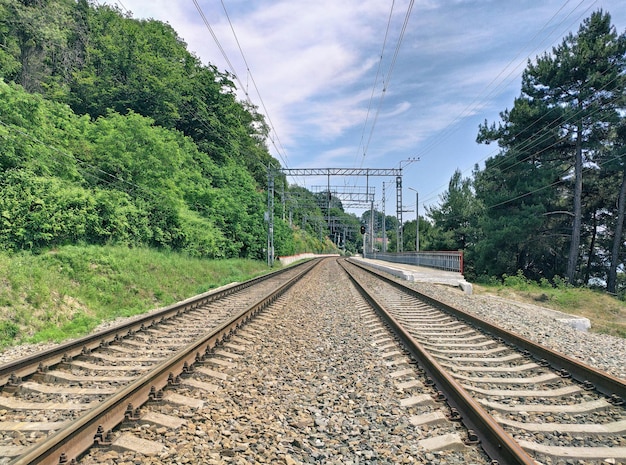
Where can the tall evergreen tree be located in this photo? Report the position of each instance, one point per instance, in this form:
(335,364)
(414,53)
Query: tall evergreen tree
(617,160)
(569,101)
(455,217)
(580,79)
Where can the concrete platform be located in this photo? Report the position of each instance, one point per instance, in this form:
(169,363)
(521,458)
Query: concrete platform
(419,273)
(430,275)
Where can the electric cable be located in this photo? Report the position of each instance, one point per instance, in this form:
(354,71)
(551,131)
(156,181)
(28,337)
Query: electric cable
(530,143)
(387,80)
(378,69)
(267,115)
(479,99)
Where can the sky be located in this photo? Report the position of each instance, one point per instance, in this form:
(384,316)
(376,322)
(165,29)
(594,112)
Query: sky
(377,84)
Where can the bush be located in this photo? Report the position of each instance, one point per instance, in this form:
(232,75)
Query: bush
(545,284)
(9,332)
(519,281)
(560,283)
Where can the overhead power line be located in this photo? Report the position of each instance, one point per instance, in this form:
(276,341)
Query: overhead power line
(274,140)
(222,51)
(477,102)
(267,113)
(387,79)
(494,85)
(378,68)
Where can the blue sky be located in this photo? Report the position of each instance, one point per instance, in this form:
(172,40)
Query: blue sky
(315,66)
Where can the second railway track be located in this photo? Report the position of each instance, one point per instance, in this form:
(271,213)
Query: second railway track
(317,378)
(55,403)
(526,389)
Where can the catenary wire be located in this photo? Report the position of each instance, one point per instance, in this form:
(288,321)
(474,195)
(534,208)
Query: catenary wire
(430,195)
(283,158)
(449,129)
(562,179)
(387,80)
(378,70)
(492,87)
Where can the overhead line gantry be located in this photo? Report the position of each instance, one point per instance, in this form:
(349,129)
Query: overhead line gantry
(341,171)
(328,172)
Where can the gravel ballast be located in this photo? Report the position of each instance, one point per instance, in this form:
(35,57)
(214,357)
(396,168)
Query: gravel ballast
(309,384)
(601,351)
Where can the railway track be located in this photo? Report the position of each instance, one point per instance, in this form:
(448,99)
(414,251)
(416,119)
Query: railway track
(324,374)
(57,403)
(315,378)
(526,403)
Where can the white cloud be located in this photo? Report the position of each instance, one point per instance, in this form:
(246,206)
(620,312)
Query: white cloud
(315,62)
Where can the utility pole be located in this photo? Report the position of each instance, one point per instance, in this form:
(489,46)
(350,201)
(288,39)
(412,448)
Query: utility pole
(269,216)
(407,162)
(384,225)
(399,213)
(417,219)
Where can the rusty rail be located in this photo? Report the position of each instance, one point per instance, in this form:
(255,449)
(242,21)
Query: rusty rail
(603,382)
(31,364)
(495,441)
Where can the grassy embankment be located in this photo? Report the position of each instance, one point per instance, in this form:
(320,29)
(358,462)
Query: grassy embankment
(67,292)
(606,313)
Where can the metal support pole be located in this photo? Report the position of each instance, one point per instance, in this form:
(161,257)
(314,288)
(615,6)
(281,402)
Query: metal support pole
(282,199)
(399,212)
(384,225)
(417,222)
(270,217)
(371,233)
(328,203)
(417,219)
(370,229)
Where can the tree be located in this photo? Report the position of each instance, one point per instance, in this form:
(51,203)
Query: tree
(556,130)
(163,154)
(455,217)
(45,38)
(617,161)
(522,221)
(9,47)
(580,80)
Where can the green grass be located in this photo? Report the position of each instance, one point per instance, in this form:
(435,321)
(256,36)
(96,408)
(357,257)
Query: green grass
(606,313)
(67,292)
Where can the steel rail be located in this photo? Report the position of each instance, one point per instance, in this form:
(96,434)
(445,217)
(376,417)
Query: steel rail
(31,364)
(94,426)
(496,442)
(611,386)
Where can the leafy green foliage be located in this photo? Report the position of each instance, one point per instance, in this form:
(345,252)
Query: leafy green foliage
(135,183)
(166,156)
(115,142)
(581,82)
(456,215)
